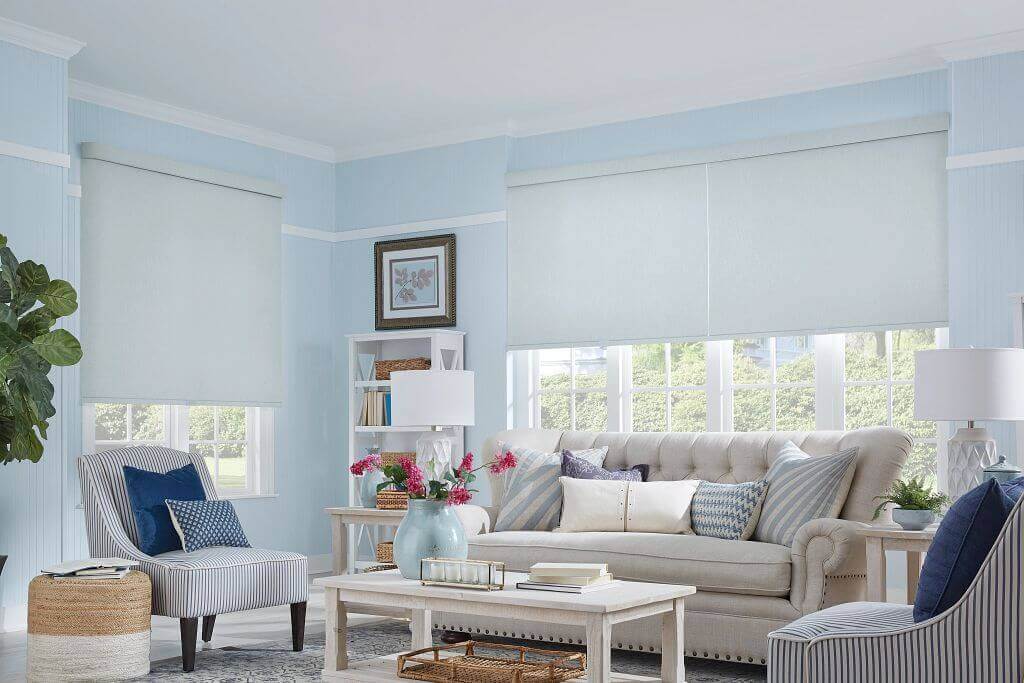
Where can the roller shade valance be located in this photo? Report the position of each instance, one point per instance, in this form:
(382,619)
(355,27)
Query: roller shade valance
(836,230)
(181,282)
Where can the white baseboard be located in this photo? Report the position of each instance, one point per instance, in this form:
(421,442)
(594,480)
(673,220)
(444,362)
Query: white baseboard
(320,564)
(13,618)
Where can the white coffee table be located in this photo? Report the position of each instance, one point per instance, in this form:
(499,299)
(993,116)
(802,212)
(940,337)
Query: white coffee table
(596,611)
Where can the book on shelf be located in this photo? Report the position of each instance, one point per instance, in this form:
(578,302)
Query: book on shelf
(376,410)
(565,588)
(569,569)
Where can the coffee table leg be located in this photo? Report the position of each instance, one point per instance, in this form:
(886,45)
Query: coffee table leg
(336,632)
(420,626)
(673,669)
(599,649)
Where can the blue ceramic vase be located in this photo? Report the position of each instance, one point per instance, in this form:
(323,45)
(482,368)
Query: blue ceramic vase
(429,529)
(368,487)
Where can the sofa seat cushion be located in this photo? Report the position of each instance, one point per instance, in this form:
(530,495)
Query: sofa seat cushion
(710,564)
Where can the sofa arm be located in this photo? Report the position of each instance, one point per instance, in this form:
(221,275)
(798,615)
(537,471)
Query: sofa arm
(828,564)
(475,519)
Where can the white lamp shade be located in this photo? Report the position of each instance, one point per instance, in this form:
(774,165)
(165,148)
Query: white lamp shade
(432,398)
(969,384)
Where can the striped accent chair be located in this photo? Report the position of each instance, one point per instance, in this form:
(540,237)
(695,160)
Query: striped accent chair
(187,586)
(977,639)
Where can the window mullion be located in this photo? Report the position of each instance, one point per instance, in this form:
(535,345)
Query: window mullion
(572,389)
(666,350)
(613,388)
(771,381)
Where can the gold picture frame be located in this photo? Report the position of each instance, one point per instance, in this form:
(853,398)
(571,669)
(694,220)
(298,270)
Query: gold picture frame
(409,292)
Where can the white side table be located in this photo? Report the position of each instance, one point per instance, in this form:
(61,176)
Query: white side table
(343,546)
(882,538)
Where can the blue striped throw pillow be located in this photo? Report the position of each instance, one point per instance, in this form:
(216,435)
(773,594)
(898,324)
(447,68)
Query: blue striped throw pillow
(802,487)
(727,511)
(533,496)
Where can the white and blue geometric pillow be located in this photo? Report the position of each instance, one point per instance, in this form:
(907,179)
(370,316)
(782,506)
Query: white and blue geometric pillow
(727,511)
(206,523)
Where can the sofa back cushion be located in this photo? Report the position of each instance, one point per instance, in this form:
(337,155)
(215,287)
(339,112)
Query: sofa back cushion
(730,457)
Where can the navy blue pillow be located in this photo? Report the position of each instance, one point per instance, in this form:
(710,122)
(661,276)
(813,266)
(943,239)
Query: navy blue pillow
(962,542)
(206,523)
(147,493)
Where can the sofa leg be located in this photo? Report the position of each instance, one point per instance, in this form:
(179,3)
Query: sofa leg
(453,637)
(189,630)
(298,625)
(208,627)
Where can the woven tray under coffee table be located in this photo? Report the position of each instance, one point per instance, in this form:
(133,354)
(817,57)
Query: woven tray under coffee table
(597,612)
(491,663)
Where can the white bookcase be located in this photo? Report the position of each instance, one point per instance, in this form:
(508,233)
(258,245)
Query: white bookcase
(444,348)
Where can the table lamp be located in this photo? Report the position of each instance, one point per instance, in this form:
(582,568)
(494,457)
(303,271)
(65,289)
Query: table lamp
(969,384)
(434,399)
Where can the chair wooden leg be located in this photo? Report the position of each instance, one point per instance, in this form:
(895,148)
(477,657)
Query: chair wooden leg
(298,625)
(189,630)
(208,627)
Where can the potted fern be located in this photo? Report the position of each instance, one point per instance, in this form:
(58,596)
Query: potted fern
(916,504)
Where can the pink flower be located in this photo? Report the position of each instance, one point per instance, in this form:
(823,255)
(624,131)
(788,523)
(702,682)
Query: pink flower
(459,496)
(414,483)
(467,462)
(503,463)
(367,464)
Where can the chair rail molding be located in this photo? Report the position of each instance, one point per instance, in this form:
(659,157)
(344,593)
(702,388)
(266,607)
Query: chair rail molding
(39,40)
(37,154)
(1008,155)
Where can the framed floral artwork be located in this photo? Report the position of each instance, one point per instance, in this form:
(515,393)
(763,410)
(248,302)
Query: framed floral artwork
(415,282)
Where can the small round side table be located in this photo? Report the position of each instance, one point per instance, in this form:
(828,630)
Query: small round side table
(88,629)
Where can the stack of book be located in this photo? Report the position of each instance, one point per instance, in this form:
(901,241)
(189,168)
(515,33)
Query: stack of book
(568,577)
(96,568)
(376,409)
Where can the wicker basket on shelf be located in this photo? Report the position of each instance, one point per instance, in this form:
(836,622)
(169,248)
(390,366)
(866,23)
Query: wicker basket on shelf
(386,552)
(391,458)
(389,499)
(491,663)
(383,368)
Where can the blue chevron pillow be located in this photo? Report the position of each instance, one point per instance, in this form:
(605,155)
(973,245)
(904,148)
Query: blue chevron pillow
(206,523)
(727,511)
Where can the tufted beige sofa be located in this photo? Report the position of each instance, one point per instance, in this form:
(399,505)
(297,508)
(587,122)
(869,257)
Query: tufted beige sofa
(745,589)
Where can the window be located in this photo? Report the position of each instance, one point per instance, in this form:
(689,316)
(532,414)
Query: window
(236,442)
(797,383)
(572,388)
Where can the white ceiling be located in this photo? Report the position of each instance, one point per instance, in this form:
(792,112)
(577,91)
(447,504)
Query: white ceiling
(373,76)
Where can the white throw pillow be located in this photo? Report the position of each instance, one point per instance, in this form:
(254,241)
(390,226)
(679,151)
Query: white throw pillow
(602,505)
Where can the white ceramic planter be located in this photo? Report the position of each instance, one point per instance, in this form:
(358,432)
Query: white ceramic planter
(912,520)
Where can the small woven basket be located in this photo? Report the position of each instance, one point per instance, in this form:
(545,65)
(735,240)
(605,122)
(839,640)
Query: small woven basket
(386,552)
(389,499)
(391,458)
(383,368)
(473,662)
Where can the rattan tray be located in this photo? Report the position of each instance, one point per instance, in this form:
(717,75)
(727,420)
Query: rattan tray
(474,662)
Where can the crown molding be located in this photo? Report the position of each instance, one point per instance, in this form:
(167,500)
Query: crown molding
(141,106)
(472,220)
(39,40)
(986,46)
(410,144)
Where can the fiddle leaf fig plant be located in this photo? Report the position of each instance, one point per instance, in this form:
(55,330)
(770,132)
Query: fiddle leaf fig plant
(30,305)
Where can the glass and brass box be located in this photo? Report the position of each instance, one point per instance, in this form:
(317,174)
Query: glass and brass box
(479,574)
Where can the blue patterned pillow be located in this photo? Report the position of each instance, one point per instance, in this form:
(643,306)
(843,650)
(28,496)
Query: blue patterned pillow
(578,468)
(727,511)
(803,487)
(532,500)
(206,523)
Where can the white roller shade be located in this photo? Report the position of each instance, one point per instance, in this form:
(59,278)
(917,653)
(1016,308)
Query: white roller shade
(181,282)
(845,237)
(608,259)
(816,232)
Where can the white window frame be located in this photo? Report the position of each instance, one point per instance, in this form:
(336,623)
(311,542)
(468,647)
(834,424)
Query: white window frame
(259,442)
(829,386)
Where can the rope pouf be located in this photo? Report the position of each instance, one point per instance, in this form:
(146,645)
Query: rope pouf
(88,629)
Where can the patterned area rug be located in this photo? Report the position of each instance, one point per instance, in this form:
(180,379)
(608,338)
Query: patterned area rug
(275,661)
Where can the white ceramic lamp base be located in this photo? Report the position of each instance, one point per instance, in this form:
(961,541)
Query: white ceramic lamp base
(971,450)
(434,455)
